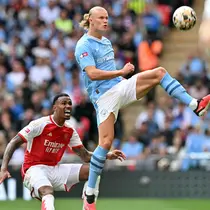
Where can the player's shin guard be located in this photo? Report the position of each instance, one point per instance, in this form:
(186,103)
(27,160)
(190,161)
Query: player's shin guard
(175,89)
(96,166)
(48,202)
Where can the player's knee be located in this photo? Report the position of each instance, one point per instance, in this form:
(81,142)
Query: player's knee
(160,72)
(106,143)
(106,140)
(45,190)
(84,172)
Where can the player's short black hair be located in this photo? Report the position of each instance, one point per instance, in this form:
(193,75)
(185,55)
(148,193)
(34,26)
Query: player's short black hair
(58,96)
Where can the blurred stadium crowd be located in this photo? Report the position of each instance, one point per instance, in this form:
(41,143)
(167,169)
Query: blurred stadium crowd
(37,41)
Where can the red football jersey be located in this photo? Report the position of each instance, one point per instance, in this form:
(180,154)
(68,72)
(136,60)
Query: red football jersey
(47,141)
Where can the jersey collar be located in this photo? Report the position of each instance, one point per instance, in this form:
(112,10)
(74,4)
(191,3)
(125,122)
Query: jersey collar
(52,120)
(94,38)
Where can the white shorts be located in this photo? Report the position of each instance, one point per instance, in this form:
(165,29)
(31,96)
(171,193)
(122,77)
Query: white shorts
(117,97)
(61,177)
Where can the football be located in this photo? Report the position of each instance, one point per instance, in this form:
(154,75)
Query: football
(184,18)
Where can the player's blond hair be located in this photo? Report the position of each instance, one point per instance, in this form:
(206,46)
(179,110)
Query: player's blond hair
(85,21)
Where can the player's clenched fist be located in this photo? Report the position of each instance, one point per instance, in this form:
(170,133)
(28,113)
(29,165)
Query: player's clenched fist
(128,68)
(4,174)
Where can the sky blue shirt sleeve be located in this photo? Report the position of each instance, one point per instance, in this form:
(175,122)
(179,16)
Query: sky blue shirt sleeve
(84,56)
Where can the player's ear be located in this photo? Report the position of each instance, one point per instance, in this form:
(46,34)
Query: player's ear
(90,19)
(54,108)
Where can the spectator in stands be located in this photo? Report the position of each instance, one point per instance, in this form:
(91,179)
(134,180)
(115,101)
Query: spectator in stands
(194,144)
(25,118)
(152,21)
(3,144)
(181,117)
(157,146)
(178,142)
(194,68)
(40,72)
(206,143)
(50,12)
(128,48)
(168,132)
(153,127)
(86,109)
(6,124)
(198,89)
(132,148)
(63,23)
(16,76)
(157,115)
(177,151)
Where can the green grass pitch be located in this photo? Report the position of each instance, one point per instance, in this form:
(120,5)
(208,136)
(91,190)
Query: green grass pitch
(114,204)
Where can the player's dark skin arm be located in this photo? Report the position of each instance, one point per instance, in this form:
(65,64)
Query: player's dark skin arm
(84,154)
(11,147)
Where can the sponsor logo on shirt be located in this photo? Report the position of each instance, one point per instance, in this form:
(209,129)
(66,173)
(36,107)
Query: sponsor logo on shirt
(105,58)
(52,147)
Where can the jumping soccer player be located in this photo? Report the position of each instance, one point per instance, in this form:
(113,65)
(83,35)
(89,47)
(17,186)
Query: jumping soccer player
(108,91)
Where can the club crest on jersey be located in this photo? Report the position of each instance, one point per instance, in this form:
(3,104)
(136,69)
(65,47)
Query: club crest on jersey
(84,55)
(104,112)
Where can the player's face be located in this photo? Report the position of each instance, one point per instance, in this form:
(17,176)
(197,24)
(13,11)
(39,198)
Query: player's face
(99,20)
(63,107)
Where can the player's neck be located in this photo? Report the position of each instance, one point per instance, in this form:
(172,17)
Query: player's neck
(94,34)
(57,121)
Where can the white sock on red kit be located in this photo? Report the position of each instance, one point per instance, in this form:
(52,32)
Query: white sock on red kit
(48,202)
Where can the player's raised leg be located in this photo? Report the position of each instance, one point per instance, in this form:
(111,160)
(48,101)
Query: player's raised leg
(106,136)
(148,79)
(46,193)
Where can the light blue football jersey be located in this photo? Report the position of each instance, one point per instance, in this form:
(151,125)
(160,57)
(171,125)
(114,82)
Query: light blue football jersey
(91,51)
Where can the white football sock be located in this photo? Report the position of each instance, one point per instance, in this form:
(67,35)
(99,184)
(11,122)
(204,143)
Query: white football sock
(193,104)
(96,190)
(89,190)
(48,202)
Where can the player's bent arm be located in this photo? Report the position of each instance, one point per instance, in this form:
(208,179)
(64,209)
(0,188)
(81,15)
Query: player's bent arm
(11,147)
(98,74)
(84,154)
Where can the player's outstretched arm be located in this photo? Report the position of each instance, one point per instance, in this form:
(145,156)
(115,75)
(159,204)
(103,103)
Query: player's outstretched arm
(98,74)
(11,147)
(85,155)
